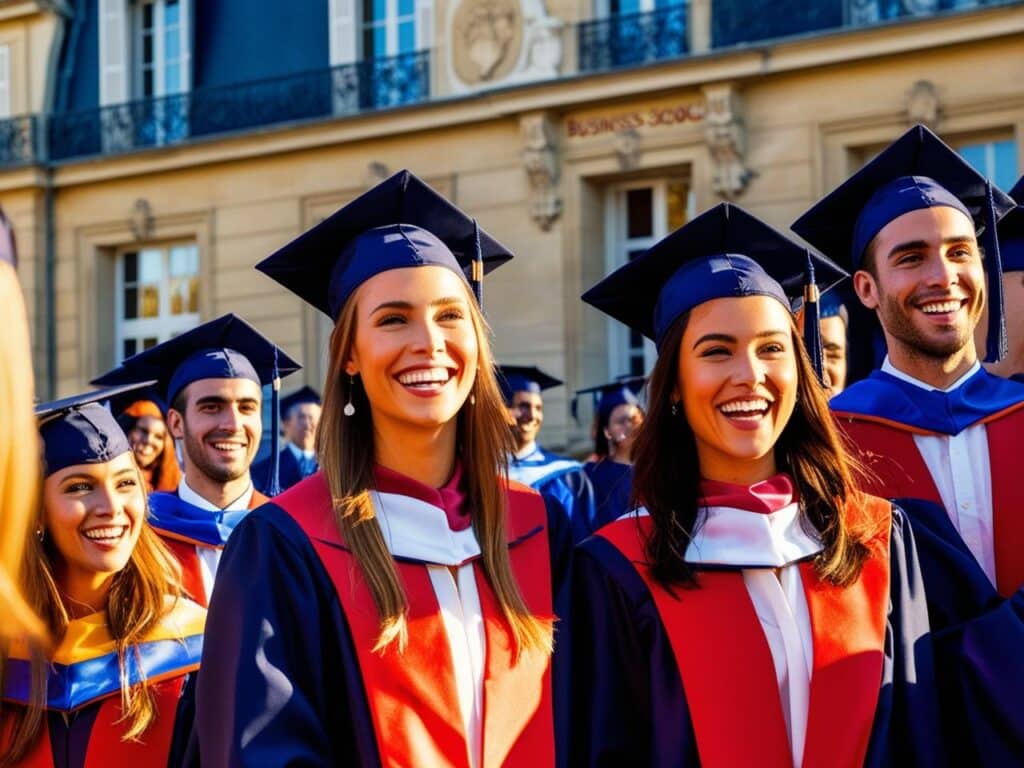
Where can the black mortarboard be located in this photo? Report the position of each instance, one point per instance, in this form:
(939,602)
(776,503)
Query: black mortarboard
(1011,232)
(523,378)
(78,430)
(916,171)
(724,252)
(399,223)
(298,397)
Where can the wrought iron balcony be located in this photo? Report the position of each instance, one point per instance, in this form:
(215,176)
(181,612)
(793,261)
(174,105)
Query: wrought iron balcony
(19,141)
(348,89)
(630,39)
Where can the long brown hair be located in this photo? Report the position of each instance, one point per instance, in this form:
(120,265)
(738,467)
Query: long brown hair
(165,474)
(345,447)
(142,593)
(666,473)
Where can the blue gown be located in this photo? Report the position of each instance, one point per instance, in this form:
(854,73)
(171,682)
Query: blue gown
(631,708)
(613,485)
(561,480)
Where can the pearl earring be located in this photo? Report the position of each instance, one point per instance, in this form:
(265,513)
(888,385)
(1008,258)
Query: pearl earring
(349,409)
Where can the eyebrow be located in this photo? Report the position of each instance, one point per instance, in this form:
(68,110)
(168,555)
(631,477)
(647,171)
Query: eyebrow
(218,400)
(912,245)
(732,339)
(444,301)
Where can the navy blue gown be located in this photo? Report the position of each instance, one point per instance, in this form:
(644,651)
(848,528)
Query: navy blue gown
(613,485)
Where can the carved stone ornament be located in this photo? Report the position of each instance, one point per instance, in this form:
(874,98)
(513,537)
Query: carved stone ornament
(142,220)
(726,137)
(540,161)
(487,36)
(923,104)
(627,147)
(375,174)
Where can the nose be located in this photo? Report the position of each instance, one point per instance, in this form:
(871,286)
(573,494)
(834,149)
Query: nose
(231,419)
(748,369)
(943,272)
(105,502)
(429,337)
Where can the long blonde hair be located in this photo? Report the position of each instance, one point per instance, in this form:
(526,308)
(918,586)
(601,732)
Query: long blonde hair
(19,458)
(345,445)
(142,593)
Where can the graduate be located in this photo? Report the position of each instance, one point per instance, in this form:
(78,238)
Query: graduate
(916,225)
(834,323)
(114,688)
(617,417)
(758,609)
(212,376)
(300,414)
(556,477)
(19,451)
(1011,252)
(144,422)
(395,608)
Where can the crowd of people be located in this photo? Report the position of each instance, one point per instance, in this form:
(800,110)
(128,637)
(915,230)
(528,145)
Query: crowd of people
(796,543)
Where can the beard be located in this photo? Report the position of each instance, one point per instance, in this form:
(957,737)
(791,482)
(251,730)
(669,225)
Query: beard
(216,472)
(897,322)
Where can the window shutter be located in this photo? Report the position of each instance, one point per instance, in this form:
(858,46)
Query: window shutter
(113,52)
(424,24)
(342,26)
(5,81)
(186,46)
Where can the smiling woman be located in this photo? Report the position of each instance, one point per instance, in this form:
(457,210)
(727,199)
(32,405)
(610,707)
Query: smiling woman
(394,608)
(125,641)
(756,584)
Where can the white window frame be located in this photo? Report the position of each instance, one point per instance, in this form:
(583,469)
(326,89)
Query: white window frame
(165,325)
(987,143)
(391,21)
(618,245)
(5,81)
(159,49)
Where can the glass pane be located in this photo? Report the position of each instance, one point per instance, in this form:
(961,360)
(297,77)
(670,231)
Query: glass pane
(193,295)
(975,155)
(677,198)
(639,210)
(369,52)
(131,303)
(1005,174)
(152,267)
(147,48)
(380,10)
(150,341)
(625,6)
(131,267)
(636,339)
(172,79)
(150,301)
(147,15)
(636,365)
(380,41)
(406,37)
(634,253)
(177,291)
(368,12)
(128,348)
(172,44)
(184,261)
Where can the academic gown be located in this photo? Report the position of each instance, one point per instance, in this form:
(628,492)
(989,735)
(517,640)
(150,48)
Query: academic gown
(689,679)
(81,729)
(289,471)
(186,528)
(292,677)
(561,479)
(978,627)
(613,485)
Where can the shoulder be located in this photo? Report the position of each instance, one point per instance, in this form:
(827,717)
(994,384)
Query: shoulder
(184,618)
(869,517)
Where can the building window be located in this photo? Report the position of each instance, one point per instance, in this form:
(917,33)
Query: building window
(5,81)
(161,48)
(389,27)
(157,296)
(997,160)
(639,215)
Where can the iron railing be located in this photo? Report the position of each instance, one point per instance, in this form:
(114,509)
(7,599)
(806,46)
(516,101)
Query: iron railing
(626,40)
(19,141)
(348,89)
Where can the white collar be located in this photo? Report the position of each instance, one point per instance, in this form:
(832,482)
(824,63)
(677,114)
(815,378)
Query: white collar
(526,451)
(417,530)
(737,537)
(187,494)
(299,453)
(892,370)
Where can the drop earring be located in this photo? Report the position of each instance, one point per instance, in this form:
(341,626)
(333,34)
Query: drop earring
(675,409)
(40,534)
(349,409)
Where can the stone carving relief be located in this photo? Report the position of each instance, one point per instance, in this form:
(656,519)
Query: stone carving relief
(503,41)
(923,104)
(627,147)
(142,219)
(726,137)
(540,161)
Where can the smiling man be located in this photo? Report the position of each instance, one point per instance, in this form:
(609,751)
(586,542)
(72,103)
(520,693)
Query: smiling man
(212,376)
(300,416)
(916,227)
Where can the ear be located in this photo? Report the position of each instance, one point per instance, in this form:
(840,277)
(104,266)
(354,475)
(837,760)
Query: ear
(607,433)
(176,424)
(866,288)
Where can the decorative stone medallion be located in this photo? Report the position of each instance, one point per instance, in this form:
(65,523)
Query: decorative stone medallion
(487,38)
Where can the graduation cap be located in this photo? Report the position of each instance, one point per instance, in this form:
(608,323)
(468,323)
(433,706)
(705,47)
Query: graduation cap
(608,397)
(299,397)
(524,378)
(399,223)
(225,348)
(78,430)
(724,252)
(120,403)
(1011,232)
(916,171)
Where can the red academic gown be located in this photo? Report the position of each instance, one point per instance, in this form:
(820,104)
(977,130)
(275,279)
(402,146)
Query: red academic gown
(290,647)
(83,727)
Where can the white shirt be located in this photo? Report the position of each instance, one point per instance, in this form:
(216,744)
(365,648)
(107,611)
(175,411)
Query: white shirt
(417,530)
(209,558)
(959,466)
(300,454)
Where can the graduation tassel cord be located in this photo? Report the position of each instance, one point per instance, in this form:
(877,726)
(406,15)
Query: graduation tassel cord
(477,278)
(996,344)
(812,326)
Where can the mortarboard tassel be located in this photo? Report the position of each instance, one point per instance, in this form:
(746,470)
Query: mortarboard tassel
(812,327)
(996,345)
(477,277)
(274,486)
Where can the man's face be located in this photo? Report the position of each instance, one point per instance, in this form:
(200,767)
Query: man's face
(526,414)
(221,426)
(300,426)
(833,341)
(929,283)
